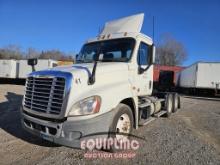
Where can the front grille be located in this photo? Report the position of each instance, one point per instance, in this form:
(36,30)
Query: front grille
(44,95)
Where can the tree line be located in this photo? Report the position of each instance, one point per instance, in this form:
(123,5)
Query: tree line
(15,52)
(169,51)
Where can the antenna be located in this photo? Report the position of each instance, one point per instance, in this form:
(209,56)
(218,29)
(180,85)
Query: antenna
(99,30)
(153,29)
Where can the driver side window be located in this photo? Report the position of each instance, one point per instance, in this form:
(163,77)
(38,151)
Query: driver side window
(143,53)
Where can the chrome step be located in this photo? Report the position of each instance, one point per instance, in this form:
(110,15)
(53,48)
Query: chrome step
(143,105)
(160,113)
(147,121)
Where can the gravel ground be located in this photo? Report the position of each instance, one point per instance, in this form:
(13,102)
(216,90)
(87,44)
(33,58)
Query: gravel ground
(190,136)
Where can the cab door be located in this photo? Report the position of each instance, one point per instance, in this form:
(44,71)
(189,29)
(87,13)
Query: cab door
(145,69)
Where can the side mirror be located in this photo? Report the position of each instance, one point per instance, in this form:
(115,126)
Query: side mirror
(32,62)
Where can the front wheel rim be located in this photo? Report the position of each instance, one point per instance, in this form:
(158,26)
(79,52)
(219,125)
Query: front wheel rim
(123,127)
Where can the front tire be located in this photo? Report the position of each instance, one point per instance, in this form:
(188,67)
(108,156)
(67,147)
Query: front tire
(122,124)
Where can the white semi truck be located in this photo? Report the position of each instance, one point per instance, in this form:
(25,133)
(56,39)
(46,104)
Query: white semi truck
(109,89)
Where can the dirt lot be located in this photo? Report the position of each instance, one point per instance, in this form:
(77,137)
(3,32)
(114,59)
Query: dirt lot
(190,136)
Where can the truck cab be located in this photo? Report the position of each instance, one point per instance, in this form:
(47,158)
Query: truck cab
(109,89)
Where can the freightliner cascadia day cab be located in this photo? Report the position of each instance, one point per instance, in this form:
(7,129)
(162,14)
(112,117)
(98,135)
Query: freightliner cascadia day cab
(109,89)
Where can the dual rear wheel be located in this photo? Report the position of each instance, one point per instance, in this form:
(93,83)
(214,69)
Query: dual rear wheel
(172,103)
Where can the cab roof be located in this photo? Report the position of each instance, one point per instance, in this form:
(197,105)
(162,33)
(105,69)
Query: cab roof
(120,35)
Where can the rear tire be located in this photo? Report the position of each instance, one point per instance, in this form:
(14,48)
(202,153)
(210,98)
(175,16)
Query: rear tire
(179,102)
(168,104)
(175,102)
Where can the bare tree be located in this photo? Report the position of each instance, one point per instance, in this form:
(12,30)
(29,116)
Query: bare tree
(14,52)
(56,55)
(170,51)
(51,54)
(10,52)
(32,53)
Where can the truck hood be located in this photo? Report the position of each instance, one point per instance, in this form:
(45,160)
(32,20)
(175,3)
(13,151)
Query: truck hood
(110,77)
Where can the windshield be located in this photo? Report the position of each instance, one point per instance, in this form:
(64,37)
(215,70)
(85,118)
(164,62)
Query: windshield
(117,50)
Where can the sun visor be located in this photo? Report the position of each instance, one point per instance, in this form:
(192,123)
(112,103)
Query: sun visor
(127,24)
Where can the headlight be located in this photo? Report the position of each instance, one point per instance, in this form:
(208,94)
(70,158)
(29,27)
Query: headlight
(86,106)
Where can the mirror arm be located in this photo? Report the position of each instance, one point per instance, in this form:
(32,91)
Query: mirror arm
(141,70)
(33,68)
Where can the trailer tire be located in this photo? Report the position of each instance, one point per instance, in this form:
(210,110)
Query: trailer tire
(179,102)
(168,104)
(175,102)
(123,116)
